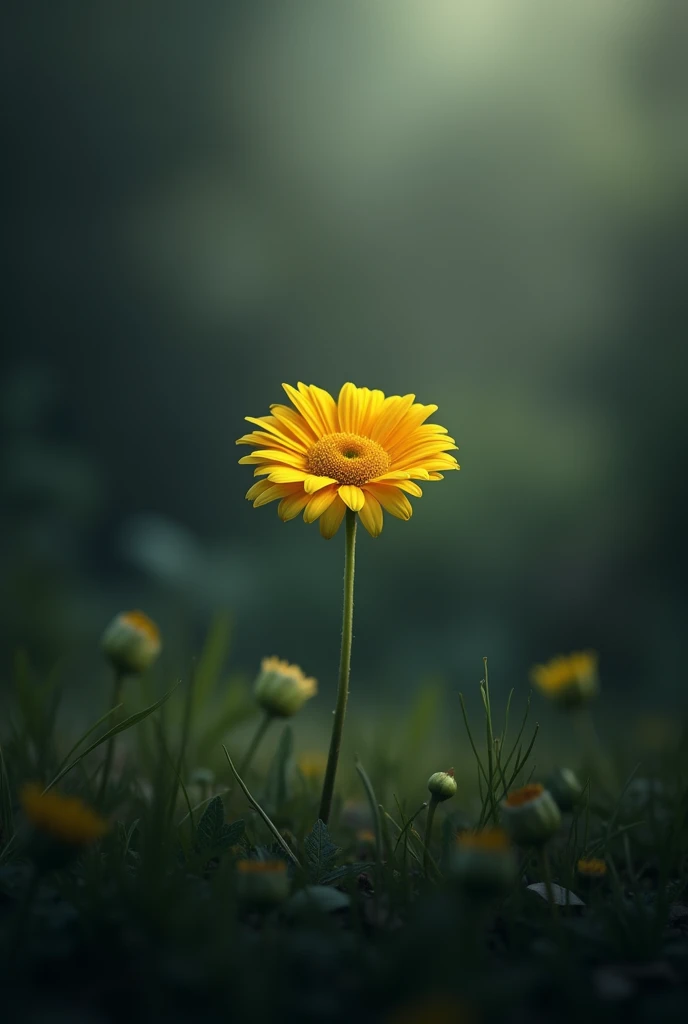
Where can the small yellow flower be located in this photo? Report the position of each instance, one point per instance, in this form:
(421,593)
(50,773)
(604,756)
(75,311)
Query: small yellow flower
(131,642)
(312,764)
(362,451)
(592,867)
(530,815)
(263,883)
(486,840)
(66,819)
(282,689)
(366,837)
(484,862)
(568,680)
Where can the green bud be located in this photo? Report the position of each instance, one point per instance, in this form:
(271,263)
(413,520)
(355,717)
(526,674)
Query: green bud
(530,815)
(565,787)
(131,643)
(442,785)
(282,689)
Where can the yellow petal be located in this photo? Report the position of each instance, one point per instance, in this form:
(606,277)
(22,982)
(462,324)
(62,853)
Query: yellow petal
(287,476)
(326,407)
(273,426)
(290,507)
(273,455)
(318,503)
(370,410)
(348,408)
(257,489)
(292,422)
(314,483)
(273,492)
(352,496)
(409,487)
(371,515)
(392,412)
(331,519)
(303,403)
(391,499)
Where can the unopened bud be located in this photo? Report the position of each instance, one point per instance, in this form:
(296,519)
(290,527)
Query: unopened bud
(530,815)
(131,642)
(442,785)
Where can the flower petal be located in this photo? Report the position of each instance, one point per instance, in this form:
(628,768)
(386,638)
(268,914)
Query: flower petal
(253,492)
(348,408)
(287,476)
(392,412)
(290,506)
(273,455)
(289,437)
(392,500)
(272,493)
(371,515)
(304,405)
(314,483)
(352,496)
(325,405)
(318,503)
(410,487)
(331,519)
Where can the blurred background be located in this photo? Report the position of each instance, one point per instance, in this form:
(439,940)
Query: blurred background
(483,202)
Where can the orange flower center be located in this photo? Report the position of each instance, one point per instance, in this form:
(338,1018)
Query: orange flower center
(348,458)
(524,795)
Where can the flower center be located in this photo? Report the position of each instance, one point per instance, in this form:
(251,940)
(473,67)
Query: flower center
(348,458)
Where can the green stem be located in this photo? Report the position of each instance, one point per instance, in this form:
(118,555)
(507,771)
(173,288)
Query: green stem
(255,743)
(110,749)
(428,833)
(344,668)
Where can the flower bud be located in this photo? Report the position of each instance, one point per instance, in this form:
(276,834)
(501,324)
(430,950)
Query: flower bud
(442,785)
(262,884)
(484,862)
(131,642)
(569,681)
(282,689)
(530,815)
(565,787)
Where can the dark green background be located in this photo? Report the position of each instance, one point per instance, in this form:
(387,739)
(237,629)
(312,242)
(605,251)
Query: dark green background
(484,204)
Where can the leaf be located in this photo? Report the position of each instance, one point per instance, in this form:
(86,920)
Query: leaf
(122,727)
(561,896)
(276,787)
(213,657)
(212,834)
(320,851)
(317,897)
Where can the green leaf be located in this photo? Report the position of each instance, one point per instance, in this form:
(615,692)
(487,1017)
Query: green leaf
(122,727)
(212,833)
(213,657)
(320,852)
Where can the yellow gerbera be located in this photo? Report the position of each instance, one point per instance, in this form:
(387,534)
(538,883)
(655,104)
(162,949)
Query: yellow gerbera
(570,680)
(362,452)
(64,818)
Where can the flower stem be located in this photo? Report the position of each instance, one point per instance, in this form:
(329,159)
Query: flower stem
(110,750)
(428,833)
(344,667)
(255,743)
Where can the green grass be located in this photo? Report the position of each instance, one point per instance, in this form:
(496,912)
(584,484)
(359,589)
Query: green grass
(154,920)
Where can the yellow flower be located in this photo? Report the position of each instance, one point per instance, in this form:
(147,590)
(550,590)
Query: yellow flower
(66,819)
(263,883)
(366,837)
(312,764)
(363,451)
(434,1009)
(282,689)
(131,642)
(569,680)
(486,840)
(592,867)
